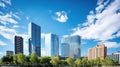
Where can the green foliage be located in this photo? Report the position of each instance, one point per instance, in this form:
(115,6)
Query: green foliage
(44,60)
(109,62)
(69,61)
(97,61)
(84,61)
(78,62)
(15,59)
(7,59)
(20,58)
(62,62)
(55,60)
(27,59)
(33,58)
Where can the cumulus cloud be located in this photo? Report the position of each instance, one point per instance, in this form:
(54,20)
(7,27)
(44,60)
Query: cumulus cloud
(102,23)
(2,43)
(61,16)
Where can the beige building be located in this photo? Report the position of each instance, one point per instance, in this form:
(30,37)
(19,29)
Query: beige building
(97,51)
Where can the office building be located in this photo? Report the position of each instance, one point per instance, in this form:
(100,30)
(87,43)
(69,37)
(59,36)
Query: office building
(115,56)
(97,51)
(34,32)
(18,44)
(70,47)
(65,50)
(9,53)
(51,45)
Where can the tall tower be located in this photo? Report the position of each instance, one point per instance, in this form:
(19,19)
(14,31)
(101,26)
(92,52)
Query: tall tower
(71,46)
(18,44)
(51,45)
(34,39)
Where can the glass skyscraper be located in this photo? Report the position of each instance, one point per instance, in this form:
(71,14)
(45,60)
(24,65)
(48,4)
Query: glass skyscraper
(51,45)
(34,39)
(70,46)
(18,44)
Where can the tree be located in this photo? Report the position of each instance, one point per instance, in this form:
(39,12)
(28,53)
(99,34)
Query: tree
(45,60)
(98,61)
(108,62)
(78,62)
(20,58)
(55,60)
(62,62)
(34,58)
(7,59)
(15,59)
(85,61)
(27,59)
(69,61)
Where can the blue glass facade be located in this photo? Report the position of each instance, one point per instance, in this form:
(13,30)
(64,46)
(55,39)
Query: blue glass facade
(18,44)
(70,47)
(51,45)
(34,39)
(65,50)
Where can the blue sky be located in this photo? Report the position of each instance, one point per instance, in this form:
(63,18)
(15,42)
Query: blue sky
(96,21)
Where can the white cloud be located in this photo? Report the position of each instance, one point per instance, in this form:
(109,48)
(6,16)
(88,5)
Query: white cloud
(104,27)
(27,18)
(2,43)
(4,2)
(8,18)
(111,44)
(7,33)
(15,26)
(7,1)
(101,25)
(61,16)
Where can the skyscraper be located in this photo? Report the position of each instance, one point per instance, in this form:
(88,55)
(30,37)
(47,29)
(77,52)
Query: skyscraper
(70,47)
(65,50)
(34,39)
(18,44)
(51,45)
(97,51)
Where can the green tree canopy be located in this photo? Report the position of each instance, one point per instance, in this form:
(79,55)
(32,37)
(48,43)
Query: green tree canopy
(69,61)
(78,61)
(55,60)
(20,58)
(34,58)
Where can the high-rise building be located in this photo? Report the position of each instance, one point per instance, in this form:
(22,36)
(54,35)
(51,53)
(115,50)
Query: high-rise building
(97,51)
(51,45)
(18,44)
(34,39)
(70,47)
(9,53)
(115,56)
(65,50)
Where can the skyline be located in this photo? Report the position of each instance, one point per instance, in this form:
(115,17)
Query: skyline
(96,22)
